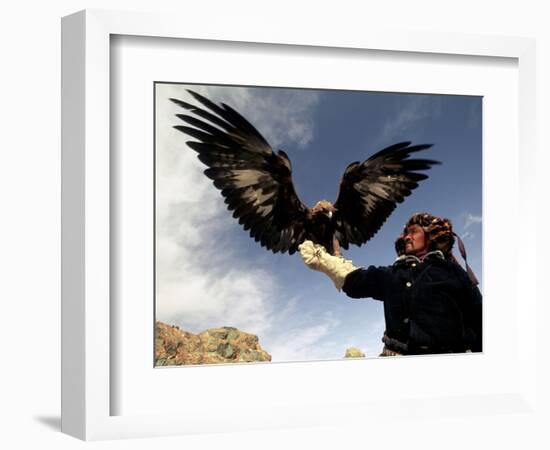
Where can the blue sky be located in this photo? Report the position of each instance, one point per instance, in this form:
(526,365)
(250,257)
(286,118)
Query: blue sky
(210,273)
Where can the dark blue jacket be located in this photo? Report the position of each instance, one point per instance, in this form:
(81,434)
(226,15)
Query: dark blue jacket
(430,306)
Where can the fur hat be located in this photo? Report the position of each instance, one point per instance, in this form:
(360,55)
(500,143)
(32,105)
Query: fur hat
(438,230)
(441,236)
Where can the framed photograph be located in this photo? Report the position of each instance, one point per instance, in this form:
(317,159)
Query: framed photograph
(183,152)
(230,286)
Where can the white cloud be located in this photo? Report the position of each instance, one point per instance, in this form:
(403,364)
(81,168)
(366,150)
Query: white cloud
(467,224)
(286,117)
(323,338)
(471,220)
(305,342)
(411,111)
(199,281)
(468,235)
(283,117)
(371,342)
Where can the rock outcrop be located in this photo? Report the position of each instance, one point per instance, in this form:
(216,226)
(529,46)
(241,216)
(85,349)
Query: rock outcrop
(175,347)
(353,352)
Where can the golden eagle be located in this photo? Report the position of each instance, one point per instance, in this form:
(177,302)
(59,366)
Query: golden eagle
(257,183)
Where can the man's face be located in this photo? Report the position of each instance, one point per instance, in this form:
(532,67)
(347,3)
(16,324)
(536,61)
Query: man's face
(415,240)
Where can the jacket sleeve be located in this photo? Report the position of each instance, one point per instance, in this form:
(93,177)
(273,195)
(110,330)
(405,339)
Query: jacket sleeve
(363,283)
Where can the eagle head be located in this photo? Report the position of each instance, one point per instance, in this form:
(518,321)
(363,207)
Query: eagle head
(323,207)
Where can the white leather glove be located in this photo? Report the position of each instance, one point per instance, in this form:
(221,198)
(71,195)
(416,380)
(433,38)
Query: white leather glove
(317,258)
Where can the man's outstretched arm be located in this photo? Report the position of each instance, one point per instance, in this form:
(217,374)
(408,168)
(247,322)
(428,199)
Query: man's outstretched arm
(355,282)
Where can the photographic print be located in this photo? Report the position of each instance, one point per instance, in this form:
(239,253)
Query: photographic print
(303,224)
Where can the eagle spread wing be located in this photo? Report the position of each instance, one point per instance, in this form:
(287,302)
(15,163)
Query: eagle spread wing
(255,181)
(369,191)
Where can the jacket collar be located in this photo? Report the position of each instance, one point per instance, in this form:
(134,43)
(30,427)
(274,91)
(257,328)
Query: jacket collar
(438,254)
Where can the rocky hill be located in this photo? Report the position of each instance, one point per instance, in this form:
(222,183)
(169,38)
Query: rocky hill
(175,347)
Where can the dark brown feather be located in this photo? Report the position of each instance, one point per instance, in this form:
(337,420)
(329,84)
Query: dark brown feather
(255,181)
(369,192)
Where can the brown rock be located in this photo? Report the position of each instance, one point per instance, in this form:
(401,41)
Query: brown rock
(353,352)
(216,345)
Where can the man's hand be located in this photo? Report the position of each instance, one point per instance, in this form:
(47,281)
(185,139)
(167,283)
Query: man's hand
(317,258)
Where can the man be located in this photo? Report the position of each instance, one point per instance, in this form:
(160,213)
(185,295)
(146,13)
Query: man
(431,305)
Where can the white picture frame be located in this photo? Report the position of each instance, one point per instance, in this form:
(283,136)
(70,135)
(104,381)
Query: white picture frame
(88,328)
